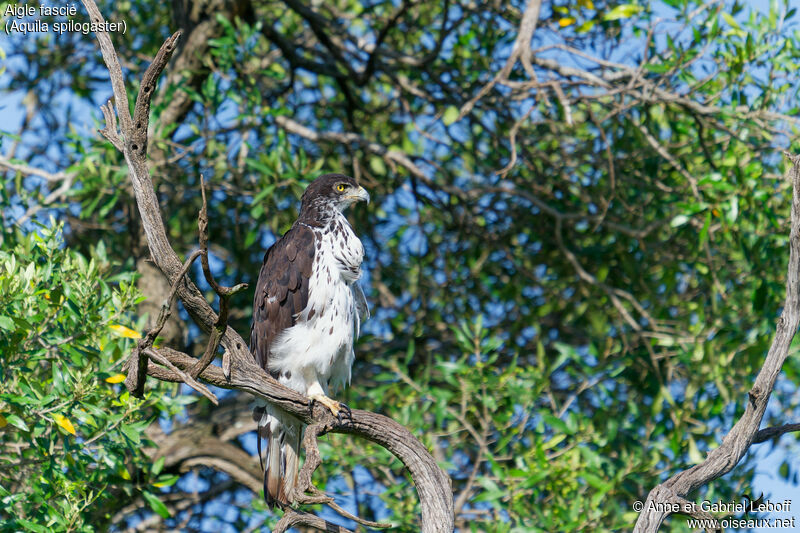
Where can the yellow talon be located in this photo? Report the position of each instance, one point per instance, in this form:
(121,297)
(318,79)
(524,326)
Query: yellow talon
(333,406)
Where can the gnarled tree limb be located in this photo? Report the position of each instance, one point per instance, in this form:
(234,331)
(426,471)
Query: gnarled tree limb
(744,433)
(433,484)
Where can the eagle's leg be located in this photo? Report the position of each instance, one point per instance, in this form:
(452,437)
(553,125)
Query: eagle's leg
(317,394)
(332,405)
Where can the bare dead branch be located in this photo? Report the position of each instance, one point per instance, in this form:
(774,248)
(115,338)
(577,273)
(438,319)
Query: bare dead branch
(312,462)
(114,69)
(110,131)
(186,378)
(735,444)
(357,519)
(166,306)
(136,135)
(59,194)
(304,485)
(26,170)
(294,518)
(432,483)
(766,434)
(137,361)
(224,293)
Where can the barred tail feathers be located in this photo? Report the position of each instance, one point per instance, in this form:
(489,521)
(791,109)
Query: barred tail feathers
(281,461)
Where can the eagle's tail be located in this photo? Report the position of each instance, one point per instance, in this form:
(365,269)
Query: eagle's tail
(281,463)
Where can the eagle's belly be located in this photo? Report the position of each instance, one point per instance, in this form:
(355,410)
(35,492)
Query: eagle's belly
(319,347)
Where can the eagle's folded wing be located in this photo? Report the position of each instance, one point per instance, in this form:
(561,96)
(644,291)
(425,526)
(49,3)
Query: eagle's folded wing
(282,289)
(362,309)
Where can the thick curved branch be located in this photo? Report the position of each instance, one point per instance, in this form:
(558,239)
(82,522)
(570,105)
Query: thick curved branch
(295,518)
(745,432)
(433,484)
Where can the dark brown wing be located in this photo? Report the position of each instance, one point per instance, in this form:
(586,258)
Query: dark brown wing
(282,289)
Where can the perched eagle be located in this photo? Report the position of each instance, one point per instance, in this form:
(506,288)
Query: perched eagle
(307,311)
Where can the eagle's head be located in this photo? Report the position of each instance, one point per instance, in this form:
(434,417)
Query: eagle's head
(331,192)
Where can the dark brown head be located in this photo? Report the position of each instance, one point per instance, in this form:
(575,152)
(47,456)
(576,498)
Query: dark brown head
(330,193)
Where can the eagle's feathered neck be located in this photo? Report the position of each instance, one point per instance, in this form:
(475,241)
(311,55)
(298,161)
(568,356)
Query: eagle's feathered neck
(319,213)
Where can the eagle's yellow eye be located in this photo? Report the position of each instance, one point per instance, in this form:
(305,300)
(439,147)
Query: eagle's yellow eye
(340,187)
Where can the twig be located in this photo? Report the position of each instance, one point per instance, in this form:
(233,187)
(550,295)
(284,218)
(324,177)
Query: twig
(110,131)
(562,99)
(512,141)
(66,180)
(32,171)
(312,462)
(137,361)
(364,522)
(54,195)
(589,278)
(224,294)
(166,306)
(186,378)
(652,141)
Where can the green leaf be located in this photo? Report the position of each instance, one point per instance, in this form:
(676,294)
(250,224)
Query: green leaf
(16,421)
(450,115)
(694,453)
(733,211)
(7,323)
(704,232)
(131,433)
(730,20)
(166,481)
(622,11)
(156,504)
(31,526)
(377,165)
(558,425)
(658,68)
(158,466)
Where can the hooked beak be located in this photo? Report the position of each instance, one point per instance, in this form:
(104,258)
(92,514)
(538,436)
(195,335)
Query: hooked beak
(360,195)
